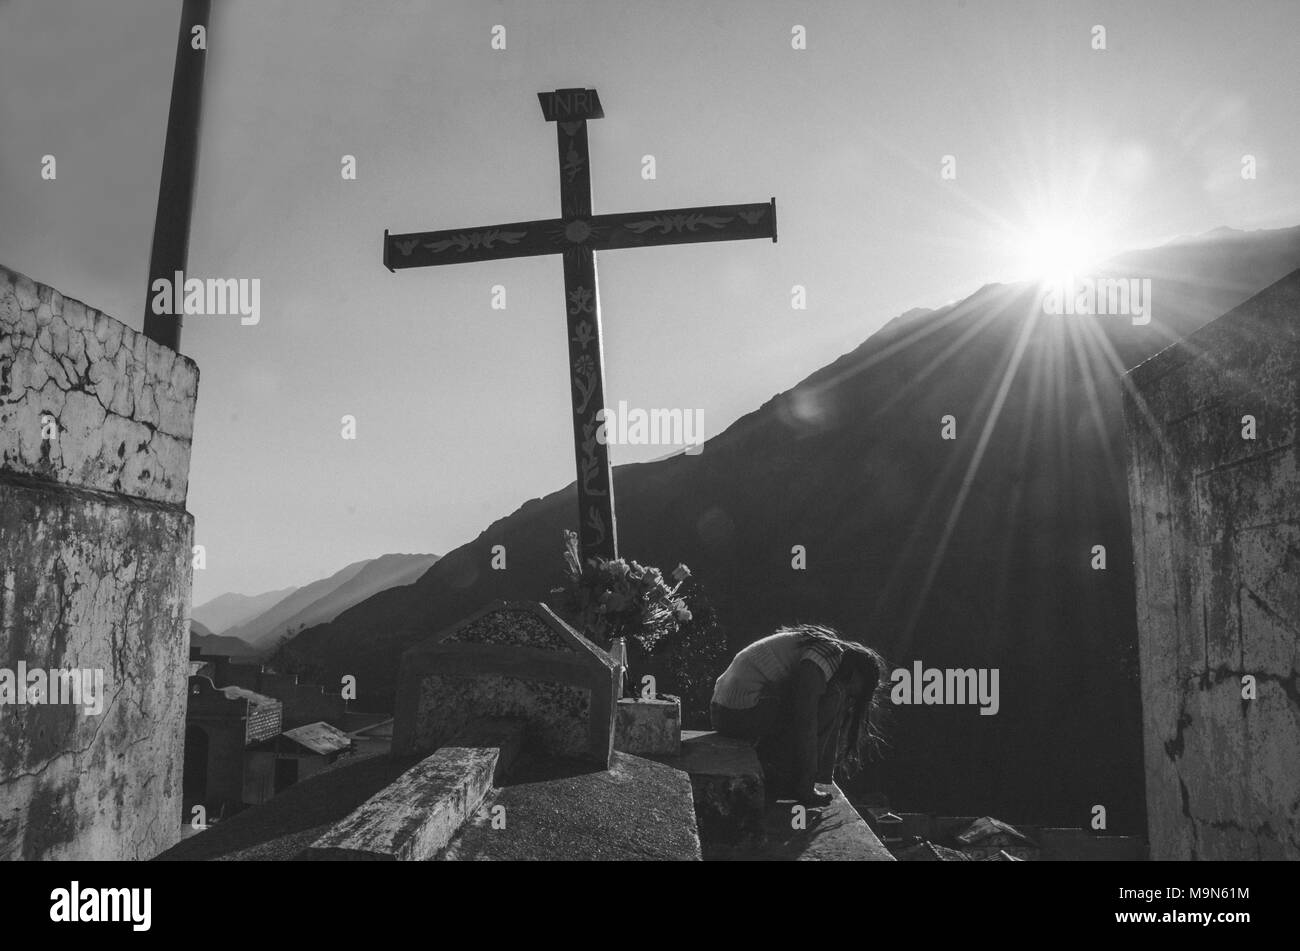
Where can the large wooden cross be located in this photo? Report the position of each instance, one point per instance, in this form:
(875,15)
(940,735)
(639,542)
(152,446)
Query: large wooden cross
(577,234)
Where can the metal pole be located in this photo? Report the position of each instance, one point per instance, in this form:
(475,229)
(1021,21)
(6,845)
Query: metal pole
(171,230)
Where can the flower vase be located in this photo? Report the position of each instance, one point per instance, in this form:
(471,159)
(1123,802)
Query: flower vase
(618,651)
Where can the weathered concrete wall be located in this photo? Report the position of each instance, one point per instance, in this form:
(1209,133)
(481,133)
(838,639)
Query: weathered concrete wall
(95,429)
(1216,529)
(124,404)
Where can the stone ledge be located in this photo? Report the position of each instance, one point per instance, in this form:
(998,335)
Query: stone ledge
(279,829)
(834,833)
(68,494)
(555,809)
(727,785)
(415,817)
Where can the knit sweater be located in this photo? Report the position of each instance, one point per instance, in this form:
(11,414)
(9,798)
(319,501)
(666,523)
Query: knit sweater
(763,668)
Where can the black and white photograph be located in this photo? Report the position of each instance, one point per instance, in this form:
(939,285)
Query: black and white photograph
(729,431)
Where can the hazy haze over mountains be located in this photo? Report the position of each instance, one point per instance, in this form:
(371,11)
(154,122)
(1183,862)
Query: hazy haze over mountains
(264,629)
(314,603)
(331,598)
(228,610)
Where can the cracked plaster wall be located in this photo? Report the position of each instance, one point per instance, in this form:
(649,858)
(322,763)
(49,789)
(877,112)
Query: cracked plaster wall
(1216,530)
(95,573)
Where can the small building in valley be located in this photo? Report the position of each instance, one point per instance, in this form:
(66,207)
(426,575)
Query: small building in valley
(222,725)
(296,754)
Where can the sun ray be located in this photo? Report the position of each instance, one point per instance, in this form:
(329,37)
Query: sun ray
(1080,346)
(1004,387)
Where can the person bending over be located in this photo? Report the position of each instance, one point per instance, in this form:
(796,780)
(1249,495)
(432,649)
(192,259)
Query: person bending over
(805,696)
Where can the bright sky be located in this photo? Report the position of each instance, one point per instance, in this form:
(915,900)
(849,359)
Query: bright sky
(462,410)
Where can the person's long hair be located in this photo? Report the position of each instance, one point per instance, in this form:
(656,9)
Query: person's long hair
(861,734)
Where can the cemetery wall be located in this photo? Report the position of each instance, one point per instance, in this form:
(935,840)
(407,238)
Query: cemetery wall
(1216,527)
(95,572)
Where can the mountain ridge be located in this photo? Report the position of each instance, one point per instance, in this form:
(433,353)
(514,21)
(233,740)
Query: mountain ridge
(321,600)
(377,574)
(231,609)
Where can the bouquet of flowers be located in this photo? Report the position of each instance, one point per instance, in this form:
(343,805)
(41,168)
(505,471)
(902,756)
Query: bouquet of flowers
(612,598)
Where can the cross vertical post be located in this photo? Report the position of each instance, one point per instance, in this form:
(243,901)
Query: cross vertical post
(597,531)
(171,230)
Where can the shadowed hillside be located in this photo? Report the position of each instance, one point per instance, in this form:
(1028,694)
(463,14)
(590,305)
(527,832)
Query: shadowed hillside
(967,553)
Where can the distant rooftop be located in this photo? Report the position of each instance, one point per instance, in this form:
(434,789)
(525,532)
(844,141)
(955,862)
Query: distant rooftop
(986,826)
(255,699)
(319,737)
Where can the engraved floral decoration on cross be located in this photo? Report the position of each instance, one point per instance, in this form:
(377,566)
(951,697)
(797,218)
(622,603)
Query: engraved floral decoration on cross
(580,300)
(573,163)
(611,597)
(584,378)
(476,239)
(590,464)
(596,523)
(678,222)
(582,334)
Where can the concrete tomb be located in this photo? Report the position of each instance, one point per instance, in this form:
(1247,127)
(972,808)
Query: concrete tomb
(512,659)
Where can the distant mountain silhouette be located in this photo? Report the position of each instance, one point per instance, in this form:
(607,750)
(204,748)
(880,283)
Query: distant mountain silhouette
(967,553)
(265,629)
(229,610)
(322,600)
(379,574)
(209,643)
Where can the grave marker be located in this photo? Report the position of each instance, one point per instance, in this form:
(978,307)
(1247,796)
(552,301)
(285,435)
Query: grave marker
(577,235)
(513,659)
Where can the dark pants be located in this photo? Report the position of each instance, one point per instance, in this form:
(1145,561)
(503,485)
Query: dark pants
(770,725)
